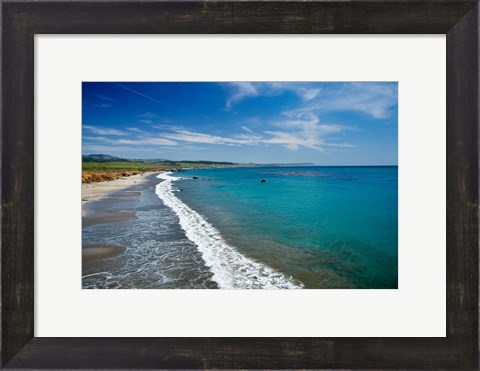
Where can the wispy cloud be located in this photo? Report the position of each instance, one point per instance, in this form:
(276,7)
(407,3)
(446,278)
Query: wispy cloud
(103,97)
(139,93)
(102,105)
(241,90)
(164,103)
(292,133)
(244,90)
(103,131)
(149,115)
(376,100)
(304,91)
(305,130)
(196,137)
(137,130)
(150,140)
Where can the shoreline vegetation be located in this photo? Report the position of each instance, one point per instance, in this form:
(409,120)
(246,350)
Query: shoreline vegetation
(101,168)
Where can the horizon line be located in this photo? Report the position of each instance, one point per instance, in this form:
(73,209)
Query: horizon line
(303,164)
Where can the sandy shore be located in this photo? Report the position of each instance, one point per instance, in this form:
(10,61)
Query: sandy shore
(112,209)
(94,191)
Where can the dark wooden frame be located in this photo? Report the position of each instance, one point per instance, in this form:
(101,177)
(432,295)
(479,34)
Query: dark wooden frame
(21,20)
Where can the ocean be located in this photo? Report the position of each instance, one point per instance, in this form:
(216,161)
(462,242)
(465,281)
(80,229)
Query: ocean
(305,227)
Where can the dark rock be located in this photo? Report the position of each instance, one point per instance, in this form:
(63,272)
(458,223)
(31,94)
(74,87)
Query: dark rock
(195,177)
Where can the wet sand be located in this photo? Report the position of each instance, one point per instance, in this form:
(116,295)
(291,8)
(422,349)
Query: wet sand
(90,252)
(111,202)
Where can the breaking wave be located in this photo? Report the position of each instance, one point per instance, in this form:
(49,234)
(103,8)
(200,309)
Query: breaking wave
(231,270)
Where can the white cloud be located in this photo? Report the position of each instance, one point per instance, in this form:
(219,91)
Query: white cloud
(294,132)
(308,94)
(105,98)
(247,129)
(373,99)
(137,130)
(303,90)
(102,105)
(241,90)
(149,115)
(195,137)
(101,139)
(103,131)
(291,141)
(144,141)
(137,141)
(304,130)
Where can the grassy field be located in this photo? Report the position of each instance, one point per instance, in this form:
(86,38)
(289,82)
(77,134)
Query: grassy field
(125,165)
(145,165)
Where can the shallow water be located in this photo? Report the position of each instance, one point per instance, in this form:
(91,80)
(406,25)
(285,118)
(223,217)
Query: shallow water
(328,227)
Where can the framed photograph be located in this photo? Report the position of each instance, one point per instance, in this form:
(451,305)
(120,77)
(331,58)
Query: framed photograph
(245,162)
(240,185)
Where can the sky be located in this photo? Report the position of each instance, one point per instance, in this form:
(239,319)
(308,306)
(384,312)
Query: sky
(323,123)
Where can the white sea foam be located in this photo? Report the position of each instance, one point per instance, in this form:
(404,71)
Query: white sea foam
(229,267)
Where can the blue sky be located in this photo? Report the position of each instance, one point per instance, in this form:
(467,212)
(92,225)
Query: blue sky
(341,123)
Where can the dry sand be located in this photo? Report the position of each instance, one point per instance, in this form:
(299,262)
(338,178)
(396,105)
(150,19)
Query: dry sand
(94,191)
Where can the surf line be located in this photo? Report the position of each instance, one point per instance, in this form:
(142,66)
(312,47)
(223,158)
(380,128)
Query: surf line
(231,269)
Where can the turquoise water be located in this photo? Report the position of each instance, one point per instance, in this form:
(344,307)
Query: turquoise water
(324,227)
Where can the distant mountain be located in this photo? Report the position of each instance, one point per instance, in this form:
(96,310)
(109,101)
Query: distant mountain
(101,158)
(107,158)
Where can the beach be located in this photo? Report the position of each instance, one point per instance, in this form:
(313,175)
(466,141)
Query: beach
(130,239)
(112,192)
(94,191)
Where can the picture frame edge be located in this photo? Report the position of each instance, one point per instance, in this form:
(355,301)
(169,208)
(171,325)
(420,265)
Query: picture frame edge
(19,347)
